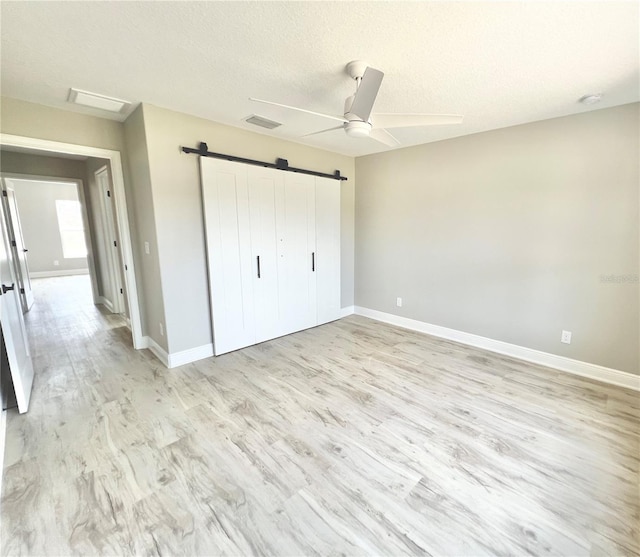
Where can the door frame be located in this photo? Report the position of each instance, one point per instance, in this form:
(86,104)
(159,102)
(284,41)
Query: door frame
(88,237)
(109,236)
(122,214)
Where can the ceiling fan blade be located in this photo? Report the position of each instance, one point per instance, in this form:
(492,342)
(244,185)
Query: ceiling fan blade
(411,120)
(383,136)
(323,131)
(366,94)
(338,118)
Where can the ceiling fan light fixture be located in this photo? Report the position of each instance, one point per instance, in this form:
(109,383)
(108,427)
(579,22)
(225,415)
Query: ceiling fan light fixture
(358,129)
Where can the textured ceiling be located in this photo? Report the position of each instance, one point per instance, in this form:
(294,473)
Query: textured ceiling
(498,63)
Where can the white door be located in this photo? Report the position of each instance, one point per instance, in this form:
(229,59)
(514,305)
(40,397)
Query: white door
(327,259)
(113,290)
(18,248)
(296,230)
(12,323)
(265,185)
(230,262)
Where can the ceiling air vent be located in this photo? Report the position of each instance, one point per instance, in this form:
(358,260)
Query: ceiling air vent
(94,100)
(262,122)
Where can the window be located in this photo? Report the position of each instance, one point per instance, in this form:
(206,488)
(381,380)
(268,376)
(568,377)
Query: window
(71,228)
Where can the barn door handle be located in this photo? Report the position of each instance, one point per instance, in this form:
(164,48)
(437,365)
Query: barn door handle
(6,288)
(258,260)
(313,261)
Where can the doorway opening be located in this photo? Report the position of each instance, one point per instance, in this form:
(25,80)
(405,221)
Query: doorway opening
(108,239)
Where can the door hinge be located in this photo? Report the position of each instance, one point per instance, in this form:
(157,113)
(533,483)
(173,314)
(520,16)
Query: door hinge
(13,243)
(22,291)
(108,193)
(126,268)
(121,292)
(115,244)
(4,193)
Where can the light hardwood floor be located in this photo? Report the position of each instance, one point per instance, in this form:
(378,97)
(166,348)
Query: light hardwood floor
(354,438)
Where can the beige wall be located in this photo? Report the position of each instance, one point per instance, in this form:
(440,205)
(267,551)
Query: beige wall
(178,210)
(511,234)
(35,120)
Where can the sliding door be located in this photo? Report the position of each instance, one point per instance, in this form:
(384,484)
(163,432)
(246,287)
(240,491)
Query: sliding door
(265,190)
(230,260)
(273,251)
(296,229)
(327,258)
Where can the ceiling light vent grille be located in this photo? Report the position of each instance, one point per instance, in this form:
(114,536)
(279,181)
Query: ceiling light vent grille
(262,122)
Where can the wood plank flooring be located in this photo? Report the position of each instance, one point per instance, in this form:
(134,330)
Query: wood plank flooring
(354,438)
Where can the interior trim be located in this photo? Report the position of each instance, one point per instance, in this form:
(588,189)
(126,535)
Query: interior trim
(156,349)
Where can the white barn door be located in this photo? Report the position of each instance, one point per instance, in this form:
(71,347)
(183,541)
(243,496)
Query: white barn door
(265,186)
(229,258)
(297,230)
(327,264)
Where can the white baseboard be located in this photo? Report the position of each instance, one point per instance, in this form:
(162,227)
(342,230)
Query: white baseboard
(192,355)
(127,322)
(576,367)
(175,359)
(62,273)
(349,310)
(157,350)
(106,303)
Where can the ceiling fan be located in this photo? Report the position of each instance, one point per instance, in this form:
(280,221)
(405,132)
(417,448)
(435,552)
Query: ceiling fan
(358,121)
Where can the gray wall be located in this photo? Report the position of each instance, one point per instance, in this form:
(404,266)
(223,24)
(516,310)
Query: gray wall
(54,167)
(175,183)
(147,265)
(39,221)
(41,165)
(514,234)
(57,167)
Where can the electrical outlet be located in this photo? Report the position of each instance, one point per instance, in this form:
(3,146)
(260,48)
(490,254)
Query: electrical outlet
(146,248)
(161,329)
(56,263)
(566,337)
(399,302)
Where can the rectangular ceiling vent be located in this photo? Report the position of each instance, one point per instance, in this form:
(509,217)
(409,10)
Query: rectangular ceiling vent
(93,100)
(262,122)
